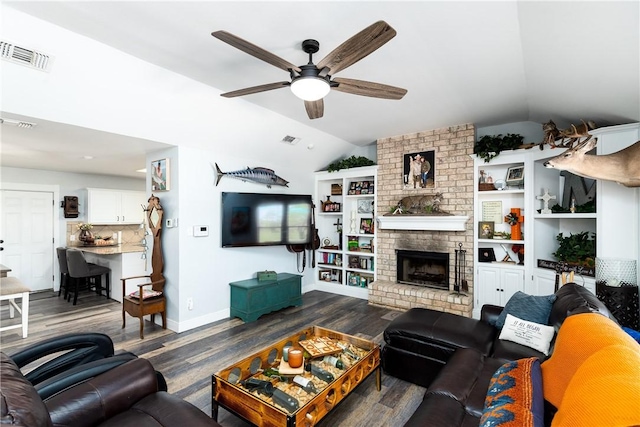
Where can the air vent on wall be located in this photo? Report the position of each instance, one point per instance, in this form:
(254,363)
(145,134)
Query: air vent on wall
(25,56)
(17,123)
(291,140)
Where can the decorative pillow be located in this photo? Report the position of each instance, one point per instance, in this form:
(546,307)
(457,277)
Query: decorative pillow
(514,397)
(534,308)
(146,293)
(531,334)
(605,390)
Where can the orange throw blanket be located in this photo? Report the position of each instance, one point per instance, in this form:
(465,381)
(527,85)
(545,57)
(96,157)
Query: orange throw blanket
(593,375)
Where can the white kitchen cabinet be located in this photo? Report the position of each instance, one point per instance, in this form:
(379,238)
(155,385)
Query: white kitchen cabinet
(497,284)
(545,281)
(105,206)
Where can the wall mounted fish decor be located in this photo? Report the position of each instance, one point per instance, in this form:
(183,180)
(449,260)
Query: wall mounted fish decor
(258,175)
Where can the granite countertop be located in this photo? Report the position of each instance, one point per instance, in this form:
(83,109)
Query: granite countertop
(110,250)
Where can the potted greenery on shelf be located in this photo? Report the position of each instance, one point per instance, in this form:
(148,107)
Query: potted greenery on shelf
(350,162)
(489,146)
(579,249)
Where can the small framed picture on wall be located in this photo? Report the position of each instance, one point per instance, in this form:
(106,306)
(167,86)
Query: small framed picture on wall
(160,176)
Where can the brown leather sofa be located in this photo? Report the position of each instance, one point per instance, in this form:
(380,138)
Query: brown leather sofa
(455,356)
(127,395)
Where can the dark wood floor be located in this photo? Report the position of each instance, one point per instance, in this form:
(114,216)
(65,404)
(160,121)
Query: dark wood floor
(188,359)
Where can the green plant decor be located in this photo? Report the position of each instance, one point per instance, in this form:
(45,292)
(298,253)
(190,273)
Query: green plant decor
(577,248)
(489,147)
(350,162)
(589,207)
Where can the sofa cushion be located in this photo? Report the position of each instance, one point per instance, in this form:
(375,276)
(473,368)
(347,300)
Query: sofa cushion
(437,334)
(534,308)
(161,409)
(509,350)
(530,334)
(605,390)
(514,397)
(19,401)
(456,397)
(580,336)
(465,378)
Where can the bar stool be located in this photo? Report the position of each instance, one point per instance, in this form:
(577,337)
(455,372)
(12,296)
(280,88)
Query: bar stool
(11,289)
(64,271)
(82,271)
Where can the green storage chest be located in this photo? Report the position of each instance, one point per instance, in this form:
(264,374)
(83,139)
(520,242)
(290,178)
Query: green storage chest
(252,298)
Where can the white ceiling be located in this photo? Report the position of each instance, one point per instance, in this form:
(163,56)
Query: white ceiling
(479,62)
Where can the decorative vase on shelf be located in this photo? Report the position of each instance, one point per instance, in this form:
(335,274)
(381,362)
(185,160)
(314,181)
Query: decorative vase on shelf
(86,237)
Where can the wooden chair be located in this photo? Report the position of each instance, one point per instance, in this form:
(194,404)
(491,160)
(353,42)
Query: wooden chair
(149,299)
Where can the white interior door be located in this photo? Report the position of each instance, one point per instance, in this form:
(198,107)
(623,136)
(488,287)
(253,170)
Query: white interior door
(27,237)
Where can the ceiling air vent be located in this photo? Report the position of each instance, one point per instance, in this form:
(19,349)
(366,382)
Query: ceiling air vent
(291,140)
(17,123)
(24,56)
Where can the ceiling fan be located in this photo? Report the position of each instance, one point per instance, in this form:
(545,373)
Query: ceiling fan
(313,82)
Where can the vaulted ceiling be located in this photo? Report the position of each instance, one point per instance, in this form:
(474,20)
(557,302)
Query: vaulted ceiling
(479,62)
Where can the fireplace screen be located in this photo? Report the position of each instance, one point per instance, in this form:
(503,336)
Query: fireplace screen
(429,269)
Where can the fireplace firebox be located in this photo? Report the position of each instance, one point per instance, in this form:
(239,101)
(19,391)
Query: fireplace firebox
(419,268)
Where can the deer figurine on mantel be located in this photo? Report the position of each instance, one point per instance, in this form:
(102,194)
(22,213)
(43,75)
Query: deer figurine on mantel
(622,166)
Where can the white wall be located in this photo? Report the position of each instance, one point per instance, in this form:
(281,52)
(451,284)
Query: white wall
(98,87)
(95,86)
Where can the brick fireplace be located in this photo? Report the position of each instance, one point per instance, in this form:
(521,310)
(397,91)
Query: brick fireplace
(453,148)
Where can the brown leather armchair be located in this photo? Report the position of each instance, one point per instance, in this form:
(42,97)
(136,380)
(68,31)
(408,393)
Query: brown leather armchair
(127,395)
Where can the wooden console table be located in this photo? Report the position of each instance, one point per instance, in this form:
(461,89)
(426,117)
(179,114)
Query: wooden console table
(251,299)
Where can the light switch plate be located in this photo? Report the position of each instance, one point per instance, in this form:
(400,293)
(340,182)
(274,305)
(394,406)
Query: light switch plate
(200,230)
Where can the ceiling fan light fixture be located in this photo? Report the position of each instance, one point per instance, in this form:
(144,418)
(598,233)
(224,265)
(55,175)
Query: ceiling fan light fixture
(310,88)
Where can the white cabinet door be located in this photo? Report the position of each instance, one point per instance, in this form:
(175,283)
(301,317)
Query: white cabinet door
(544,282)
(511,281)
(497,284)
(103,206)
(488,283)
(132,203)
(115,206)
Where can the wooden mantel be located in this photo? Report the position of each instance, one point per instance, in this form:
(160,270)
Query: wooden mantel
(422,222)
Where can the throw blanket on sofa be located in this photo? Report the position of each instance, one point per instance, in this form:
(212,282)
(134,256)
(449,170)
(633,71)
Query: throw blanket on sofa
(593,375)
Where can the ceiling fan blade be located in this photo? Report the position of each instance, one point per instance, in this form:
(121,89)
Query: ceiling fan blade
(375,90)
(255,89)
(357,47)
(315,109)
(255,51)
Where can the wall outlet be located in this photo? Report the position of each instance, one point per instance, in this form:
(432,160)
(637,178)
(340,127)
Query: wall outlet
(190,303)
(72,238)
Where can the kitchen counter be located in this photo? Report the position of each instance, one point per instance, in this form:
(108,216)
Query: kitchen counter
(110,250)
(124,261)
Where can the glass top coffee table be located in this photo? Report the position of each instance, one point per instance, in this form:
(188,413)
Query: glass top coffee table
(261,388)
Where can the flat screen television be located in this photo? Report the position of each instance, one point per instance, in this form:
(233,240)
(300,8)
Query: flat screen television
(263,219)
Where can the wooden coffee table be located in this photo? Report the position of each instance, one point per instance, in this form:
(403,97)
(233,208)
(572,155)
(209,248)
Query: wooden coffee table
(261,410)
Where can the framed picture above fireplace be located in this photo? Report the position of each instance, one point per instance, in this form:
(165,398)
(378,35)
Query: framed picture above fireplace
(419,170)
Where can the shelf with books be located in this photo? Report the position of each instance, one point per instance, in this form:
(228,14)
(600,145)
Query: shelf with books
(360,280)
(349,232)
